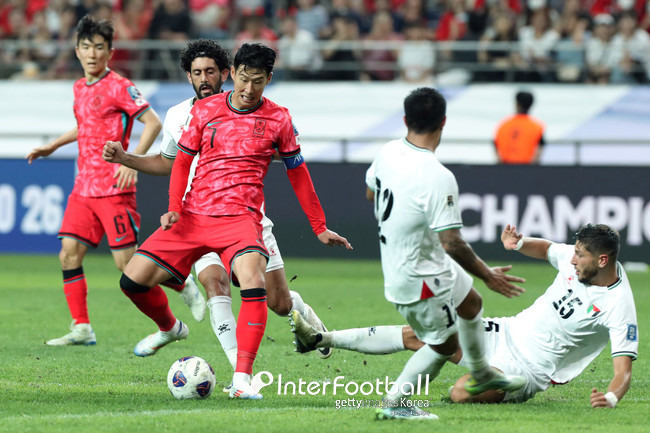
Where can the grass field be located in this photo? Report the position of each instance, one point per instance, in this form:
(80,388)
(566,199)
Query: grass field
(105,388)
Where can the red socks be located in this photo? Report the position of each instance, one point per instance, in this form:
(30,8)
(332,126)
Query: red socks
(251,325)
(75,289)
(154,304)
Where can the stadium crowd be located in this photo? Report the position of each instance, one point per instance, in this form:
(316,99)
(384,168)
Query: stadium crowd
(593,41)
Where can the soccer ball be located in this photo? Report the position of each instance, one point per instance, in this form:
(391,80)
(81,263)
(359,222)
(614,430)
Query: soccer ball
(190,377)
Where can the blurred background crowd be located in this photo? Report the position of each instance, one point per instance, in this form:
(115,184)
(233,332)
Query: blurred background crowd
(585,41)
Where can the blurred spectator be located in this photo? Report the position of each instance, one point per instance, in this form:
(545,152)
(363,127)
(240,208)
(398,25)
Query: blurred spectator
(498,62)
(254,29)
(299,58)
(85,7)
(349,8)
(616,7)
(171,22)
(415,11)
(211,18)
(312,17)
(132,21)
(379,60)
(536,44)
(631,51)
(573,27)
(416,57)
(453,22)
(388,7)
(341,60)
(519,138)
(598,53)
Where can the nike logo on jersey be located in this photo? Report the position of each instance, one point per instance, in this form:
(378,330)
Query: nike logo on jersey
(120,238)
(255,324)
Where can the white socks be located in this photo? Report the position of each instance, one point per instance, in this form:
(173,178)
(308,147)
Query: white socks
(224,326)
(472,341)
(297,303)
(424,361)
(376,340)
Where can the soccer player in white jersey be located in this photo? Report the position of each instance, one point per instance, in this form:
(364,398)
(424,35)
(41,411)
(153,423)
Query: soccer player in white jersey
(416,206)
(206,65)
(589,303)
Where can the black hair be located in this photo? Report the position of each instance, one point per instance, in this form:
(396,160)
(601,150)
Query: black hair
(255,56)
(599,239)
(524,101)
(87,27)
(425,110)
(204,48)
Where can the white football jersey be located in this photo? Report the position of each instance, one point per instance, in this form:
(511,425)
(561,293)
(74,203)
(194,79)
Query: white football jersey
(175,123)
(570,324)
(415,198)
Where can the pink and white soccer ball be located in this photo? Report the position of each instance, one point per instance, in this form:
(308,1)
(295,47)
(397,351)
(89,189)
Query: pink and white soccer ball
(191,377)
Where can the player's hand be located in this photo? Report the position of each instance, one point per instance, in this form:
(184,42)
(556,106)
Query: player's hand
(113,152)
(39,152)
(501,282)
(328,237)
(126,177)
(510,237)
(598,399)
(169,219)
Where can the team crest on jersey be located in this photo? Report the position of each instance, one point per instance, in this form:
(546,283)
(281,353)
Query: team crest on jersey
(631,333)
(135,94)
(96,103)
(450,200)
(259,128)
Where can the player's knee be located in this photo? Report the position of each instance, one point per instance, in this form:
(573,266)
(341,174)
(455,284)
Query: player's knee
(69,259)
(279,305)
(458,393)
(215,284)
(411,342)
(128,285)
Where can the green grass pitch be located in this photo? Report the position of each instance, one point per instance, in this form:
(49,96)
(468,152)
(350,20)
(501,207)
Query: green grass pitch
(105,388)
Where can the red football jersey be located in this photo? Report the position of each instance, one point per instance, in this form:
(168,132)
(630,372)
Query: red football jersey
(105,111)
(235,149)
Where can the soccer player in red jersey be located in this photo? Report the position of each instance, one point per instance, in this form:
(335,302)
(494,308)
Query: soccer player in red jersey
(235,135)
(103,197)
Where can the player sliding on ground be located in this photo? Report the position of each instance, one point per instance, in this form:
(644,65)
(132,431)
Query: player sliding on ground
(589,303)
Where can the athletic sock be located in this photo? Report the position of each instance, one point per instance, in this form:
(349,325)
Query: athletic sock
(154,304)
(172,284)
(424,361)
(297,303)
(472,341)
(75,289)
(251,324)
(224,326)
(376,340)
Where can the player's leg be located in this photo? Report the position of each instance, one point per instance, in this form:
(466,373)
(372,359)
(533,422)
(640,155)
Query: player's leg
(249,268)
(472,341)
(80,230)
(215,280)
(460,395)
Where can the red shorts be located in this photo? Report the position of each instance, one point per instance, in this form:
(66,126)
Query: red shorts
(176,249)
(86,219)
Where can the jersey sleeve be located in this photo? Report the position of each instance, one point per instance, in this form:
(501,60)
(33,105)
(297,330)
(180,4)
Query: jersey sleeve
(168,147)
(288,143)
(441,204)
(190,141)
(131,101)
(371,177)
(623,328)
(557,254)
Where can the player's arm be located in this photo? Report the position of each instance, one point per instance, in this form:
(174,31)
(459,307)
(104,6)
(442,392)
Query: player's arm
(49,148)
(370,194)
(619,385)
(495,278)
(532,247)
(127,176)
(177,187)
(158,165)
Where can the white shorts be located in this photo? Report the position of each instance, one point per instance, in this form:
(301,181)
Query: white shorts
(275,258)
(499,355)
(434,319)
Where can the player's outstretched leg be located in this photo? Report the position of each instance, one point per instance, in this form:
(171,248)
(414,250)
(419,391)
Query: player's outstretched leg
(307,337)
(80,334)
(496,381)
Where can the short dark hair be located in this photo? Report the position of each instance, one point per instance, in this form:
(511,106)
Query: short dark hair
(204,48)
(87,27)
(425,110)
(525,101)
(599,239)
(255,56)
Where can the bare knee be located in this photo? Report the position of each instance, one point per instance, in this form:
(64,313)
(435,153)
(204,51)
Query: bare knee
(458,393)
(278,297)
(70,257)
(215,281)
(471,305)
(409,339)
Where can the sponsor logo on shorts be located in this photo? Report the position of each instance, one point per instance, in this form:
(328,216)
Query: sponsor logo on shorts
(121,238)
